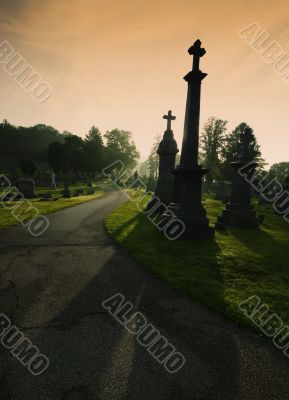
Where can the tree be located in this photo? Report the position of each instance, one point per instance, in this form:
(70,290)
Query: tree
(27,167)
(56,156)
(232,150)
(74,158)
(153,160)
(94,150)
(279,171)
(144,169)
(212,141)
(30,143)
(120,147)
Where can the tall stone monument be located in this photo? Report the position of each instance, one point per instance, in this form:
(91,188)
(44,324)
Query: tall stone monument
(239,211)
(167,158)
(187,194)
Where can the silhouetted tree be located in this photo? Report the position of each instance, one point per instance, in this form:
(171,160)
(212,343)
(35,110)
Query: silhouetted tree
(232,150)
(279,171)
(94,151)
(120,146)
(56,156)
(27,142)
(73,152)
(153,160)
(212,141)
(27,167)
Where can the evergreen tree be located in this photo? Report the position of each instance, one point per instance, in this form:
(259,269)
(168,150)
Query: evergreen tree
(232,150)
(212,141)
(94,151)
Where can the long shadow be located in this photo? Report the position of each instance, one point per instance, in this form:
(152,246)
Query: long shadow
(258,240)
(92,357)
(186,325)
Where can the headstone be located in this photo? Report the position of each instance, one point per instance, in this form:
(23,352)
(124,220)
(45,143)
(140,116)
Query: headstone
(78,192)
(26,186)
(167,157)
(187,193)
(219,188)
(66,191)
(46,196)
(286,184)
(239,211)
(53,181)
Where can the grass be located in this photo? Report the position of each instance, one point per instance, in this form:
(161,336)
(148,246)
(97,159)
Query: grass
(218,273)
(45,207)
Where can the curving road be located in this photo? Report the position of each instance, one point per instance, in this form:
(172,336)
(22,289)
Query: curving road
(52,288)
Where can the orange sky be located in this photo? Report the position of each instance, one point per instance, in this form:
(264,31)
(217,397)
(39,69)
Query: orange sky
(121,64)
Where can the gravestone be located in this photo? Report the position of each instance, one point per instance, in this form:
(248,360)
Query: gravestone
(53,181)
(46,196)
(90,191)
(187,192)
(26,186)
(286,184)
(78,192)
(66,191)
(239,211)
(219,188)
(167,158)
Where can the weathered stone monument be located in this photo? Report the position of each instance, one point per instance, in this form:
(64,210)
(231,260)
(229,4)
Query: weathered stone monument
(26,186)
(286,184)
(66,191)
(239,211)
(53,181)
(167,158)
(187,192)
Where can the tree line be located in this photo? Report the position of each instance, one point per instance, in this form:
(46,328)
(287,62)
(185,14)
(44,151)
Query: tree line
(64,152)
(91,154)
(218,149)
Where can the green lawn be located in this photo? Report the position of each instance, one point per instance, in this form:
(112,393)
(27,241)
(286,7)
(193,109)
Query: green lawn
(46,207)
(218,273)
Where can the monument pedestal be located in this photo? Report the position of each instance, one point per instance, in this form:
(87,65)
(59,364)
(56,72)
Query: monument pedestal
(187,205)
(239,215)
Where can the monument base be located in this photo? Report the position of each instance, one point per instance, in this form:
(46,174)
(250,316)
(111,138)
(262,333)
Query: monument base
(238,215)
(194,219)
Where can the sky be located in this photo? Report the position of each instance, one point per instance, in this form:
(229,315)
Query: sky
(121,64)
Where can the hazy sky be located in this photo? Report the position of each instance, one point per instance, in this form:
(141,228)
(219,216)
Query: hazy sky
(121,64)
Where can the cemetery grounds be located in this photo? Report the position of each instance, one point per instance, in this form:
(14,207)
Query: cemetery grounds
(45,207)
(219,273)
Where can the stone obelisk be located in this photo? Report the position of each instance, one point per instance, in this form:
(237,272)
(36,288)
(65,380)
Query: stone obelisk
(167,158)
(187,197)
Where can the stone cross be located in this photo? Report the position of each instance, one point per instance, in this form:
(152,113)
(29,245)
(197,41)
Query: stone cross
(169,118)
(197,51)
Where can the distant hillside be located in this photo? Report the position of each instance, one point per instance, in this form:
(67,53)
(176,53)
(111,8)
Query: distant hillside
(21,142)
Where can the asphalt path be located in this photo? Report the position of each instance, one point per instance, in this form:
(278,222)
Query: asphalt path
(52,289)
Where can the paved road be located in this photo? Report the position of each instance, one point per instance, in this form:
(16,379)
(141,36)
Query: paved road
(53,287)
